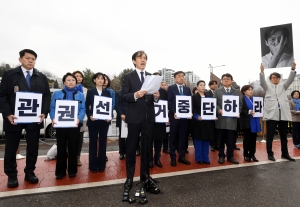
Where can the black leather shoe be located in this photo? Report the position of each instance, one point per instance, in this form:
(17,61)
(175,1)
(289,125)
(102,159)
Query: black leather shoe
(173,163)
(237,148)
(59,177)
(200,162)
(101,170)
(150,164)
(233,160)
(31,178)
(152,187)
(106,159)
(12,182)
(158,163)
(184,161)
(248,159)
(207,163)
(186,151)
(288,157)
(271,157)
(254,159)
(138,153)
(72,175)
(212,149)
(94,171)
(166,151)
(122,157)
(128,184)
(221,160)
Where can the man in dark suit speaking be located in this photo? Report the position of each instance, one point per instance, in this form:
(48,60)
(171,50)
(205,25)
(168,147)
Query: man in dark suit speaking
(140,108)
(23,78)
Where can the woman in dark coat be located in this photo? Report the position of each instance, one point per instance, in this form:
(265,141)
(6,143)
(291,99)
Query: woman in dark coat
(97,128)
(203,129)
(250,125)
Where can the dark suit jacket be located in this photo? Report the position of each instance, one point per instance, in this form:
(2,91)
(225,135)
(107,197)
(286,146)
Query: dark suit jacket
(136,109)
(89,105)
(121,107)
(15,78)
(163,94)
(172,92)
(209,93)
(244,116)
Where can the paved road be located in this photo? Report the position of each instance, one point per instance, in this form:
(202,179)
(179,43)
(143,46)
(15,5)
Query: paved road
(273,185)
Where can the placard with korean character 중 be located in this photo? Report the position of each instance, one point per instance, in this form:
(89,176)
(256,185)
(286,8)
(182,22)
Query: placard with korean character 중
(66,113)
(230,106)
(258,106)
(161,111)
(208,108)
(102,108)
(184,106)
(28,107)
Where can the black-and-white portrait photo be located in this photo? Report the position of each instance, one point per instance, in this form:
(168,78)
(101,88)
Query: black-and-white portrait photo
(277,46)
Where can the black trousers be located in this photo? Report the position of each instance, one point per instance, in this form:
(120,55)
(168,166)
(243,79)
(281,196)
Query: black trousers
(249,143)
(166,142)
(296,132)
(178,128)
(80,141)
(12,140)
(132,143)
(122,143)
(227,137)
(66,137)
(157,144)
(282,127)
(97,160)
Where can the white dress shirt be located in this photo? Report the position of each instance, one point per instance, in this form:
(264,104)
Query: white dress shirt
(25,71)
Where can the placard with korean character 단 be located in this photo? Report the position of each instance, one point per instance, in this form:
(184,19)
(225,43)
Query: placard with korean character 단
(102,108)
(184,106)
(230,106)
(66,113)
(161,111)
(28,107)
(208,108)
(258,106)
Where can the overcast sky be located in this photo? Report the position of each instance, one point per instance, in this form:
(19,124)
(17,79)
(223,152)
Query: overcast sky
(181,35)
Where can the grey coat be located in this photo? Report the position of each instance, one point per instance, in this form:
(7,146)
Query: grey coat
(275,94)
(295,115)
(226,122)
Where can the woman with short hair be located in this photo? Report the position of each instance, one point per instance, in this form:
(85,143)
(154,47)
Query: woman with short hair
(295,111)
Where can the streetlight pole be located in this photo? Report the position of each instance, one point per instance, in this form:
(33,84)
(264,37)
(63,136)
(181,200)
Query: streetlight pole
(212,70)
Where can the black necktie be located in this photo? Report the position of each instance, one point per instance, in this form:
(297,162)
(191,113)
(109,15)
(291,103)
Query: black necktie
(227,91)
(142,77)
(28,78)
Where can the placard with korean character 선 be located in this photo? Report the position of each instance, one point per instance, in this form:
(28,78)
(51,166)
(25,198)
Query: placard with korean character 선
(66,113)
(184,106)
(28,107)
(102,108)
(208,108)
(258,106)
(230,106)
(161,111)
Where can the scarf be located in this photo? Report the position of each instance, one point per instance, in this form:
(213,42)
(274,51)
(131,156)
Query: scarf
(79,87)
(69,92)
(254,121)
(297,104)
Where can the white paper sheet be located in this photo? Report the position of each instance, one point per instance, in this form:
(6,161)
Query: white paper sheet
(152,83)
(230,106)
(208,108)
(161,111)
(258,106)
(66,113)
(184,106)
(102,108)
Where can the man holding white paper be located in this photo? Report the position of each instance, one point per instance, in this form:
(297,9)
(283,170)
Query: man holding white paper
(140,111)
(27,79)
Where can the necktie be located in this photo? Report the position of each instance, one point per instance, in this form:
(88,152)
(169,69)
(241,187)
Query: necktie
(180,90)
(28,78)
(142,77)
(227,90)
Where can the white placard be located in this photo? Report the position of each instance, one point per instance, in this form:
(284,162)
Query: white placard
(124,129)
(208,108)
(230,106)
(161,111)
(152,83)
(102,108)
(66,113)
(28,107)
(258,106)
(184,106)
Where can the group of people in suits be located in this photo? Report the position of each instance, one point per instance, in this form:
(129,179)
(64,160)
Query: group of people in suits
(136,107)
